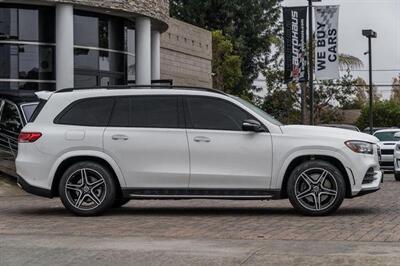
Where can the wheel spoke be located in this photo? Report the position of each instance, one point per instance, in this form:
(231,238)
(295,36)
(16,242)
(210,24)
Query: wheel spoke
(308,179)
(97,183)
(322,177)
(74,187)
(317,202)
(304,194)
(84,176)
(94,198)
(80,199)
(329,192)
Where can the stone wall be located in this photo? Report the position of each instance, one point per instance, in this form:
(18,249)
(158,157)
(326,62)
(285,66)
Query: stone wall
(186,54)
(156,9)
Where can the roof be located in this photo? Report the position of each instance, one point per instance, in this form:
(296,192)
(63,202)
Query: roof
(18,96)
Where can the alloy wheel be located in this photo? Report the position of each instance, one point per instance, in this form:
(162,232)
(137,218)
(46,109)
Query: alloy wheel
(316,189)
(85,189)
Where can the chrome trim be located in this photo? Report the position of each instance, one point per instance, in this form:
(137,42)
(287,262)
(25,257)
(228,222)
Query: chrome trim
(103,49)
(28,80)
(200,196)
(28,42)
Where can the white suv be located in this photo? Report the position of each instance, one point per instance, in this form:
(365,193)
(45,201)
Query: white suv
(99,148)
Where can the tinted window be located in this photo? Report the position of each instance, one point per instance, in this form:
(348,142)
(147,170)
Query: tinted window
(89,112)
(211,113)
(10,119)
(148,111)
(28,110)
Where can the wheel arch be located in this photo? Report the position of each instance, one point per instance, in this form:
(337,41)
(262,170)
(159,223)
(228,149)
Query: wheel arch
(303,158)
(67,160)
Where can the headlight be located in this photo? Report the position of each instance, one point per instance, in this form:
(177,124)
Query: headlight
(360,146)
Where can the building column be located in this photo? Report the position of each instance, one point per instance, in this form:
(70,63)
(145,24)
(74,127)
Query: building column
(64,46)
(155,55)
(143,51)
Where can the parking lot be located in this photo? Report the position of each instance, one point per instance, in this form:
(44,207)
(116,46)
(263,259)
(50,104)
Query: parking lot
(40,231)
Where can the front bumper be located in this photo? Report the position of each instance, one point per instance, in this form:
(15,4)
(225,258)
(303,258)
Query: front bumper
(371,187)
(34,190)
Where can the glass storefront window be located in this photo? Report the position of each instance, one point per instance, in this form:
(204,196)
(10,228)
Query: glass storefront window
(25,23)
(24,61)
(86,30)
(107,56)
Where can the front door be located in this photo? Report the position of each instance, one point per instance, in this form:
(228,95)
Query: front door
(147,138)
(222,156)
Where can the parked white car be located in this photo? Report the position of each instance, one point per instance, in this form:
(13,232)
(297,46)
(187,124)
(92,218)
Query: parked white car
(100,148)
(396,161)
(388,138)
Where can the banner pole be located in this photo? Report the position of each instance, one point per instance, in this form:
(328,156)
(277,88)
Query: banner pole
(310,61)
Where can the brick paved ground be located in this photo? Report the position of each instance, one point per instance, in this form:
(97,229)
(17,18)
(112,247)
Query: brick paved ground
(374,217)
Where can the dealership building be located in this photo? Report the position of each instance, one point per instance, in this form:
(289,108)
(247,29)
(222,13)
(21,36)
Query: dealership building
(55,44)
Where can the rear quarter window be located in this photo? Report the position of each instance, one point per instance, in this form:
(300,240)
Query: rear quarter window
(87,112)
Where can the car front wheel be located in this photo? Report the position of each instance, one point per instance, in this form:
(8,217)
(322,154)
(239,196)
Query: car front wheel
(87,189)
(316,188)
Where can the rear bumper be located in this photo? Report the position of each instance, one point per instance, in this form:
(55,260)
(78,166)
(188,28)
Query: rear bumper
(42,192)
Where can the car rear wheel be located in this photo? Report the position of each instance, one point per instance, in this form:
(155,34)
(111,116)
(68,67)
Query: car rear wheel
(87,189)
(316,188)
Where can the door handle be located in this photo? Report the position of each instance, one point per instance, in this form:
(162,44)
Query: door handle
(201,139)
(119,137)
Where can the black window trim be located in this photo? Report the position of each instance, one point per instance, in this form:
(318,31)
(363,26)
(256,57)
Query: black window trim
(181,113)
(188,117)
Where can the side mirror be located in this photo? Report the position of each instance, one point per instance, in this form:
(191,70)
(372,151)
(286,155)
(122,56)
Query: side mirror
(397,135)
(252,126)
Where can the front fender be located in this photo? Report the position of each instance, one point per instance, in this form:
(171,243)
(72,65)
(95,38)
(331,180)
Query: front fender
(280,172)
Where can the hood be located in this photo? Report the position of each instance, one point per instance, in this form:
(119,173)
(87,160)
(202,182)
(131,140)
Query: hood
(328,132)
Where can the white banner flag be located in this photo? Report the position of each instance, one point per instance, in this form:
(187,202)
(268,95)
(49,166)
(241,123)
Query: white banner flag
(326,42)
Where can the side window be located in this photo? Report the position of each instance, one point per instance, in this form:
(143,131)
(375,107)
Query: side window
(214,114)
(10,119)
(88,112)
(147,111)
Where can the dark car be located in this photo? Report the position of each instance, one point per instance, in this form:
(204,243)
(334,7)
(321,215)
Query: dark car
(344,126)
(16,108)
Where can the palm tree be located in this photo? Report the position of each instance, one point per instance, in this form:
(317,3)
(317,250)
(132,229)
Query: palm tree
(347,61)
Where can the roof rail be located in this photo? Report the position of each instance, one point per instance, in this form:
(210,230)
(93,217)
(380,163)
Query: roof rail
(124,87)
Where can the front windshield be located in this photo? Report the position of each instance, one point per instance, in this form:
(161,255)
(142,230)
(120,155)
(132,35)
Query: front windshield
(387,136)
(257,110)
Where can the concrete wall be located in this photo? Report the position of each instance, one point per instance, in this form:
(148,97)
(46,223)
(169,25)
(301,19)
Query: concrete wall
(186,54)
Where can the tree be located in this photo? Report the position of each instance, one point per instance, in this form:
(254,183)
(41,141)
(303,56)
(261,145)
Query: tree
(251,25)
(396,89)
(226,65)
(386,114)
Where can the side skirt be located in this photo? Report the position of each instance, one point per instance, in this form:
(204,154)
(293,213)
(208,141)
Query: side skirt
(200,193)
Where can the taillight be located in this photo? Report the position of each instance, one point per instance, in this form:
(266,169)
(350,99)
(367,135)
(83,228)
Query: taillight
(26,137)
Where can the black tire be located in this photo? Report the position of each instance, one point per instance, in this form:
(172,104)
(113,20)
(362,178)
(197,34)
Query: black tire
(119,202)
(312,198)
(397,176)
(88,196)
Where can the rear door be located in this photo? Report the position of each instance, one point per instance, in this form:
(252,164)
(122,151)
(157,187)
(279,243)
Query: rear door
(147,138)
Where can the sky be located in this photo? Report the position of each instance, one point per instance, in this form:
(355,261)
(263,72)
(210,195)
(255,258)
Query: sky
(382,16)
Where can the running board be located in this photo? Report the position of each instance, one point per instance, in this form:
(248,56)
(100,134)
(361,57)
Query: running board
(198,193)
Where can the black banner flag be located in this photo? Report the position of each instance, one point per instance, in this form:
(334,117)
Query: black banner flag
(295,37)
